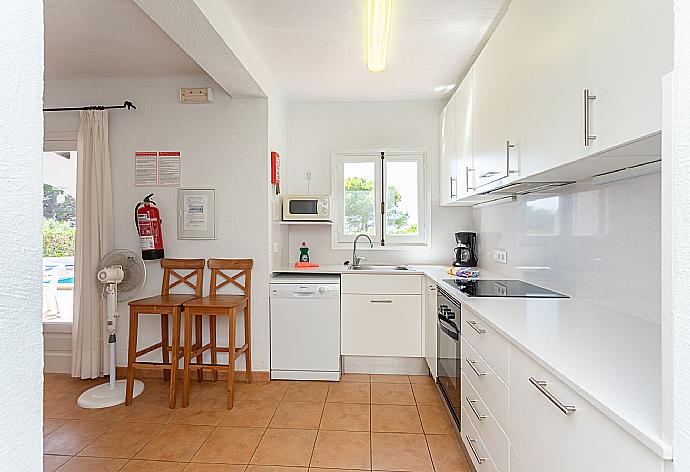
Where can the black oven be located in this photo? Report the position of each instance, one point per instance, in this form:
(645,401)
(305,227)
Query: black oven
(448,350)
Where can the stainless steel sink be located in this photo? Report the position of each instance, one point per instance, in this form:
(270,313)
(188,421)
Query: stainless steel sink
(386,268)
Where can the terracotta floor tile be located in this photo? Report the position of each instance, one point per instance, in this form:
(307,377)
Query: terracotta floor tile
(91,464)
(292,447)
(274,468)
(202,411)
(354,378)
(435,420)
(51,424)
(250,413)
(307,391)
(123,441)
(263,391)
(175,443)
(348,392)
(391,394)
(74,436)
(149,413)
(316,469)
(446,453)
(426,394)
(400,452)
(196,467)
(342,449)
(345,417)
(421,379)
(229,445)
(153,466)
(51,463)
(390,378)
(395,419)
(297,415)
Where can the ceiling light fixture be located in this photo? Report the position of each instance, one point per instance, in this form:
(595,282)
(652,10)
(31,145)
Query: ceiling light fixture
(379,16)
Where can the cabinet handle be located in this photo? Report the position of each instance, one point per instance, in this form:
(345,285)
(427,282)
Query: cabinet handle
(471,442)
(473,324)
(467,179)
(541,386)
(452,194)
(588,98)
(478,372)
(509,146)
(474,410)
(381,301)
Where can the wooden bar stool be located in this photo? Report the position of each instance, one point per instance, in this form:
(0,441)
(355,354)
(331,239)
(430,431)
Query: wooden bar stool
(166,305)
(220,305)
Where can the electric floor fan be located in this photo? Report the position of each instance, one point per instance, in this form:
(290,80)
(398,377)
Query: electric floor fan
(123,273)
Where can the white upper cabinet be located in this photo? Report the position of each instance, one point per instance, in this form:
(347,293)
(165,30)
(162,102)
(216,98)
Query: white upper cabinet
(463,137)
(547,119)
(629,46)
(448,185)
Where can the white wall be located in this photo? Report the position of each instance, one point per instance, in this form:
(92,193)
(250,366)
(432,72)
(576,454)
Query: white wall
(21,140)
(681,238)
(224,146)
(605,248)
(315,129)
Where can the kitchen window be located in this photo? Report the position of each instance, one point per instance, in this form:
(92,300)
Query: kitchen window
(382,194)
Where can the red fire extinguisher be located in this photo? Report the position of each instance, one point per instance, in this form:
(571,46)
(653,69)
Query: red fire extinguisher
(148,221)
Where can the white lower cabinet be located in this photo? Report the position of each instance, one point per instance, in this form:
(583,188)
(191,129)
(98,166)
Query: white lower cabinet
(516,463)
(430,326)
(479,455)
(549,437)
(381,325)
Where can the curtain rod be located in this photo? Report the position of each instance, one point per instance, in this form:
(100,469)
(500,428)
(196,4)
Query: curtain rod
(128,105)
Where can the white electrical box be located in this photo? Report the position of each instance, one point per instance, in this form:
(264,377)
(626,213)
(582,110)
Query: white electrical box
(196,95)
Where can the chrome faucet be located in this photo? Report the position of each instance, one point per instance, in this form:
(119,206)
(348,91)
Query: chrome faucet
(356,260)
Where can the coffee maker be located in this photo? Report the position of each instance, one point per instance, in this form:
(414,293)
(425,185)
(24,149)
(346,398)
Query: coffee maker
(466,249)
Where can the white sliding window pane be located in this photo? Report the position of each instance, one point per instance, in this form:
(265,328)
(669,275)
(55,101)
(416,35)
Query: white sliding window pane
(359,184)
(402,198)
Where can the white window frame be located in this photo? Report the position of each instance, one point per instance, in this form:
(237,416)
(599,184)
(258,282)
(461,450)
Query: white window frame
(339,239)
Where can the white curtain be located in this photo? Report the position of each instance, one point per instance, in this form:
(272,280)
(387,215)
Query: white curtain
(94,239)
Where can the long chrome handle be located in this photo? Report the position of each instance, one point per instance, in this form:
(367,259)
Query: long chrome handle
(452,194)
(541,386)
(509,146)
(588,98)
(476,371)
(471,442)
(474,410)
(467,179)
(473,324)
(381,301)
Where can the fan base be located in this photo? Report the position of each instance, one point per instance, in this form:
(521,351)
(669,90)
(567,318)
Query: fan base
(102,396)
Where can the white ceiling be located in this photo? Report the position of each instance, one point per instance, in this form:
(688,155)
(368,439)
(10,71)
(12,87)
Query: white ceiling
(108,38)
(316,49)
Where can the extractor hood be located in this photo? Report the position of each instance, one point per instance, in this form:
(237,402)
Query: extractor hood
(524,188)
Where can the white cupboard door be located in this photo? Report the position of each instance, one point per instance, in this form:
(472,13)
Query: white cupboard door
(448,184)
(381,325)
(550,438)
(546,123)
(464,169)
(430,326)
(629,45)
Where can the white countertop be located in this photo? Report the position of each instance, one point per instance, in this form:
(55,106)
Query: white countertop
(611,359)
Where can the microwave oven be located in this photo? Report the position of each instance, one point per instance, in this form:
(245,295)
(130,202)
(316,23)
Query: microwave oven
(307,208)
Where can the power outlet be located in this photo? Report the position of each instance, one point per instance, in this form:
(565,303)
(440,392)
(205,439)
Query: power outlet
(500,256)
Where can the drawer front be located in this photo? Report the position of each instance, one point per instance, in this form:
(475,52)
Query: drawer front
(489,386)
(516,464)
(584,439)
(381,325)
(486,426)
(368,284)
(492,346)
(481,459)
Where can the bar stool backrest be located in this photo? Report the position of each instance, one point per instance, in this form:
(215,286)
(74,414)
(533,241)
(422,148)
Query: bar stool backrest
(231,271)
(172,269)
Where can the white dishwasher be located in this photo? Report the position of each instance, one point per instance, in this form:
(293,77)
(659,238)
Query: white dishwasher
(305,327)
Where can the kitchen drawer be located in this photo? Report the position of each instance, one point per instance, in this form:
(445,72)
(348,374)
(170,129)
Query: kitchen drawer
(368,284)
(516,463)
(381,325)
(548,439)
(481,459)
(490,387)
(488,343)
(486,426)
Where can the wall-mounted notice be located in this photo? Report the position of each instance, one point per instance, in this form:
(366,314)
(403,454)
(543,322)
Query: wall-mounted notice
(153,169)
(196,213)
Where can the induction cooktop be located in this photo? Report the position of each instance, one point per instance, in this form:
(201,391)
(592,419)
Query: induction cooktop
(502,288)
